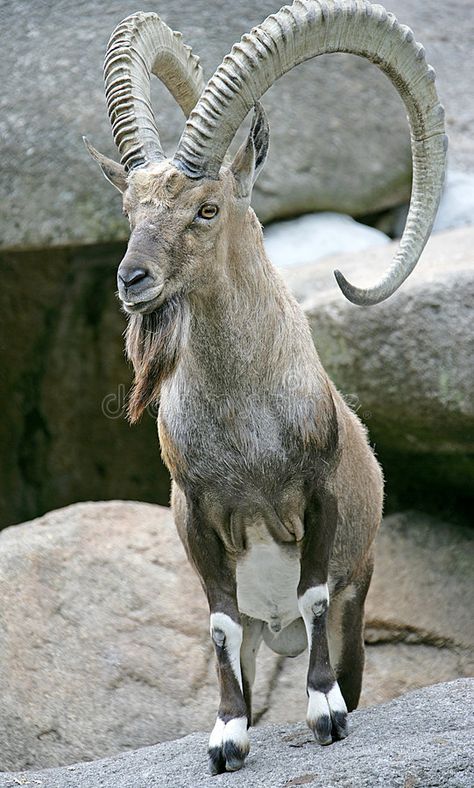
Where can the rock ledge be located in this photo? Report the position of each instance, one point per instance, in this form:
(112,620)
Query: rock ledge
(422,738)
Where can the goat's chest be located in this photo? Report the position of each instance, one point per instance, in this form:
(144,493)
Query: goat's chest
(267,579)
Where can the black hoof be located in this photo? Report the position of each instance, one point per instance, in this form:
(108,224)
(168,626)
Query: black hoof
(234,756)
(322,729)
(216,760)
(340,725)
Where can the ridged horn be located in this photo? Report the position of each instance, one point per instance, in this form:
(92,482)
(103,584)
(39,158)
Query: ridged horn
(142,45)
(304,30)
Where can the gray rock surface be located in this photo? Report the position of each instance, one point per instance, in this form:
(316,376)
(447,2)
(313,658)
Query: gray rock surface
(104,636)
(405,365)
(426,566)
(421,739)
(308,238)
(339,138)
(104,640)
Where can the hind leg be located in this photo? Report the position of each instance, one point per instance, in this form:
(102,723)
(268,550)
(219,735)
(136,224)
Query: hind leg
(346,636)
(251,640)
(326,712)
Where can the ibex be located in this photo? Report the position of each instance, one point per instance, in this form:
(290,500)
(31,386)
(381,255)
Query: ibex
(277,495)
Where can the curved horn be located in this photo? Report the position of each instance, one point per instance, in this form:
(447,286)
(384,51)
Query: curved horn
(142,45)
(297,33)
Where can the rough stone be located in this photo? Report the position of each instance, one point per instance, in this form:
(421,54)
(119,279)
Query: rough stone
(422,590)
(308,238)
(104,636)
(406,364)
(104,640)
(339,138)
(423,738)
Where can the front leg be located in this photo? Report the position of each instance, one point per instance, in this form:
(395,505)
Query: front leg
(327,712)
(228,742)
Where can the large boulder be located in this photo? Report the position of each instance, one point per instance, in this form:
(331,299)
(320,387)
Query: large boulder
(423,738)
(339,138)
(105,643)
(405,365)
(104,636)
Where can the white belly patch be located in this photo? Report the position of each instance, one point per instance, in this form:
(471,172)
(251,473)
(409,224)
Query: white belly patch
(267,580)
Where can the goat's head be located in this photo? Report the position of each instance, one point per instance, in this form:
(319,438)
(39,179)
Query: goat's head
(179,208)
(181,226)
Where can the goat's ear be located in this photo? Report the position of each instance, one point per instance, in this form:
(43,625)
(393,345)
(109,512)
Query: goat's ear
(114,172)
(251,156)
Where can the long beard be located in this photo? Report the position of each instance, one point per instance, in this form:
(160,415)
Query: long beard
(153,344)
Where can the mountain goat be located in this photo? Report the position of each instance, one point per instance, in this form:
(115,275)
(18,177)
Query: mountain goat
(277,495)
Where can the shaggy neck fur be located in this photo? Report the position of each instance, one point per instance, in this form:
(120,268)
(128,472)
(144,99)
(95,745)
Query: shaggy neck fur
(239,333)
(153,345)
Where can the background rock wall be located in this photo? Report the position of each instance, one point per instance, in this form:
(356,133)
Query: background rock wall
(339,137)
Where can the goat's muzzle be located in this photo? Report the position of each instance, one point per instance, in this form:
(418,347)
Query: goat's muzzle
(138,290)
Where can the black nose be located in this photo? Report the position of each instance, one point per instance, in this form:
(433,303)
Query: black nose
(130,276)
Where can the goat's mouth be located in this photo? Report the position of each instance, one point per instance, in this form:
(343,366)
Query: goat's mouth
(144,303)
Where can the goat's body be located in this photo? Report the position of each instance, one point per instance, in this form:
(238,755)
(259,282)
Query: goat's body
(250,426)
(268,570)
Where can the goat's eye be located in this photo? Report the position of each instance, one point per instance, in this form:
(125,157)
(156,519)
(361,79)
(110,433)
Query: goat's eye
(208,211)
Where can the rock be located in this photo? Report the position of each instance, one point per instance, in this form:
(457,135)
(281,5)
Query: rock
(405,365)
(105,636)
(419,627)
(423,738)
(63,386)
(308,238)
(105,642)
(339,138)
(422,589)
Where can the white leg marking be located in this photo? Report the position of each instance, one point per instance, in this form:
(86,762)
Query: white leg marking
(335,699)
(312,603)
(217,734)
(236,731)
(329,705)
(317,706)
(233,640)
